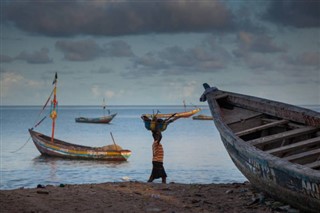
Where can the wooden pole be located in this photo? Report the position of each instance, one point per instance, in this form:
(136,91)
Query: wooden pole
(53,114)
(114,141)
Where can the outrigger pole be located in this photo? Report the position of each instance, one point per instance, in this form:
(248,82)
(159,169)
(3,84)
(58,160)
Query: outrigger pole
(54,103)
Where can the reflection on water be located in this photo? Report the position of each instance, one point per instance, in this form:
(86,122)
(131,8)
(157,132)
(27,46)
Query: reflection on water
(47,161)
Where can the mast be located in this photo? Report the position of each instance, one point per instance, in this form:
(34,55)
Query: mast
(54,104)
(104,106)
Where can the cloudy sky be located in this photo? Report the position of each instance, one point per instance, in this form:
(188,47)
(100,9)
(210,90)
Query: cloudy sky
(158,51)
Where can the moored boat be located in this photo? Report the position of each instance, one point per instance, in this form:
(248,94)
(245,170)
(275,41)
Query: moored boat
(100,120)
(275,145)
(59,148)
(202,117)
(53,147)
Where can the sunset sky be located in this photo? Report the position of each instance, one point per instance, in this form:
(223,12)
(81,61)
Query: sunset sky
(138,52)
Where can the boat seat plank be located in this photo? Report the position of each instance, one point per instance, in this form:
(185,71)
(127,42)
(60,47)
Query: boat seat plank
(295,146)
(313,165)
(302,155)
(221,96)
(262,127)
(238,115)
(280,136)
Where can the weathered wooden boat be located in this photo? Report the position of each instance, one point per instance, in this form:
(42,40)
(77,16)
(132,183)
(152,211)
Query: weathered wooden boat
(100,120)
(51,146)
(202,117)
(275,145)
(185,114)
(59,148)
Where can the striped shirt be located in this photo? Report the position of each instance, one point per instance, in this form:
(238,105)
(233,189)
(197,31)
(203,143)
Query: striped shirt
(157,150)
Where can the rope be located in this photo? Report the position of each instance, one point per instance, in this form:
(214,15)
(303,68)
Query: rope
(22,145)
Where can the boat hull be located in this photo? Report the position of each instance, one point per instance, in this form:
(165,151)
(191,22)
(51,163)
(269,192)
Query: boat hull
(100,120)
(62,149)
(292,183)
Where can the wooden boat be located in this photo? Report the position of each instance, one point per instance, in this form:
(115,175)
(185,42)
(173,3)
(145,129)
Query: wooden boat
(185,114)
(202,117)
(51,146)
(105,119)
(100,120)
(59,148)
(275,145)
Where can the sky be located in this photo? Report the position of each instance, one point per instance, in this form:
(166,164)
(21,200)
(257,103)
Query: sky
(158,52)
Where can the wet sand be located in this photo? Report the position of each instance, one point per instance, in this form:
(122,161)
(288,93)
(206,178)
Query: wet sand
(138,197)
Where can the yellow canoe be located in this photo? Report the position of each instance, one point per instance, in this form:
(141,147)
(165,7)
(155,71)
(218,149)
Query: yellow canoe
(179,114)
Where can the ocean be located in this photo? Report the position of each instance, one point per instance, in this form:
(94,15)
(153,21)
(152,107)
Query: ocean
(193,149)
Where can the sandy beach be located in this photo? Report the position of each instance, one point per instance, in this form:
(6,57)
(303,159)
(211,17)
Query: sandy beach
(139,197)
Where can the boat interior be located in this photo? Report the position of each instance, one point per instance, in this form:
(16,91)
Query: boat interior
(295,142)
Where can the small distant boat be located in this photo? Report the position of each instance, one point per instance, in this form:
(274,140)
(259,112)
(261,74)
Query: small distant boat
(50,146)
(105,119)
(100,120)
(275,145)
(202,117)
(185,114)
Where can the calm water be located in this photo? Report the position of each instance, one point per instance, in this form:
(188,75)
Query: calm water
(194,152)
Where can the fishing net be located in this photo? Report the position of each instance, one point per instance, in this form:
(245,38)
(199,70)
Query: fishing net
(111,147)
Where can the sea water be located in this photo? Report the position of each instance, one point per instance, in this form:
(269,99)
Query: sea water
(193,151)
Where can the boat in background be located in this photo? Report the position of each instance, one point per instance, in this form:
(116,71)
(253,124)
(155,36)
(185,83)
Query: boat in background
(100,120)
(275,145)
(105,119)
(202,117)
(50,146)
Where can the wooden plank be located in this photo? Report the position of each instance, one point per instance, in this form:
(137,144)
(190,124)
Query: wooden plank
(262,127)
(295,146)
(224,95)
(313,165)
(302,155)
(280,136)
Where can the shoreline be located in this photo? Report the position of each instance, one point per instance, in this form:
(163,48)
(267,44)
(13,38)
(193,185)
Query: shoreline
(138,197)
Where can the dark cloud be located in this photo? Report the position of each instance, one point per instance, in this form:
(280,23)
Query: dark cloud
(5,58)
(118,48)
(67,18)
(208,56)
(86,50)
(255,43)
(311,59)
(300,14)
(150,61)
(37,57)
(83,50)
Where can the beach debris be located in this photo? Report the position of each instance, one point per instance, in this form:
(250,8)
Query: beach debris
(156,196)
(153,210)
(40,186)
(125,178)
(42,192)
(229,191)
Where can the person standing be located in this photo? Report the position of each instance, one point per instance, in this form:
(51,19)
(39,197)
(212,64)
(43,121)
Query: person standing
(157,158)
